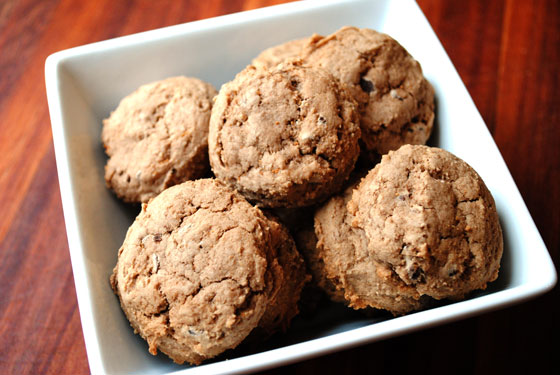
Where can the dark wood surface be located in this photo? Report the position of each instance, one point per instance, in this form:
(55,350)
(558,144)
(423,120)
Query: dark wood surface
(506,52)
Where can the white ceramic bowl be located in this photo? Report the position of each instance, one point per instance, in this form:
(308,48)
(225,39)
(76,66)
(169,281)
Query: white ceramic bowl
(85,83)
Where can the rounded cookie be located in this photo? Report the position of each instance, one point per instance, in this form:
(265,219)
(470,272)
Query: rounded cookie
(158,137)
(280,53)
(428,216)
(347,264)
(195,274)
(283,137)
(396,102)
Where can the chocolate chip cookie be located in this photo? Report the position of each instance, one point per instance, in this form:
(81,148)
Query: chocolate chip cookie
(428,217)
(285,136)
(158,137)
(198,271)
(396,102)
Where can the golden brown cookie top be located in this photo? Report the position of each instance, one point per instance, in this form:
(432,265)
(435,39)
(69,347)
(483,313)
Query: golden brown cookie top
(429,216)
(396,102)
(286,136)
(158,137)
(194,272)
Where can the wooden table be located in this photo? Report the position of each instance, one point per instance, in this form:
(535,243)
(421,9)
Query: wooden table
(507,53)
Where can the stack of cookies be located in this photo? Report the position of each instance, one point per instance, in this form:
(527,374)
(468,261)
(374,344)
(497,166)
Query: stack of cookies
(211,262)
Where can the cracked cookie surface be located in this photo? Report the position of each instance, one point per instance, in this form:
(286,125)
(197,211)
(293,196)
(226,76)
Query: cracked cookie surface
(396,102)
(283,137)
(158,137)
(429,218)
(196,271)
(348,270)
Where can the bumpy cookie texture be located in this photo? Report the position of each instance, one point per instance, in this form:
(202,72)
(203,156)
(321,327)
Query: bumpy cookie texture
(345,262)
(429,218)
(306,241)
(195,274)
(284,306)
(158,137)
(396,102)
(283,137)
(273,56)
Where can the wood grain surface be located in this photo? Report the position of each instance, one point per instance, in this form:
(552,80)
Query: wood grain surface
(506,52)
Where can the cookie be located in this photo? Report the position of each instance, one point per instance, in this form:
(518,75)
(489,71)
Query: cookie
(429,218)
(197,271)
(348,272)
(158,137)
(284,306)
(283,137)
(306,241)
(396,102)
(273,56)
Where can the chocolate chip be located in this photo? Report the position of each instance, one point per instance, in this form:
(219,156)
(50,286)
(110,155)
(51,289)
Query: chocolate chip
(157,237)
(294,83)
(418,275)
(366,85)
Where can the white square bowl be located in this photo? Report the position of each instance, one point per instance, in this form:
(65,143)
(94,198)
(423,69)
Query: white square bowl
(85,83)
